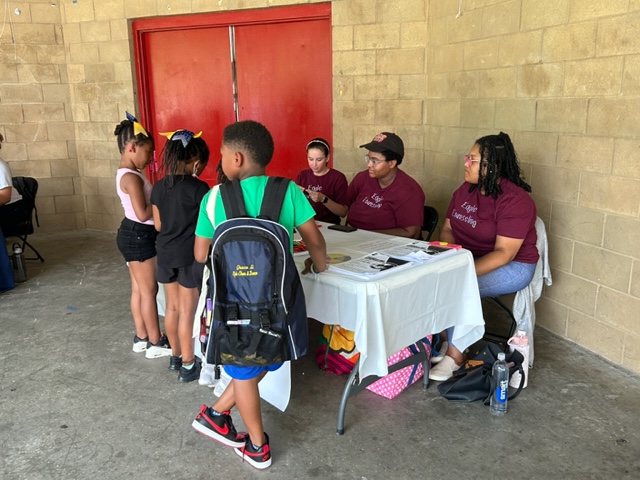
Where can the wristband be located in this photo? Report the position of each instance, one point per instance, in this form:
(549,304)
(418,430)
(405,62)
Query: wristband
(325,199)
(313,268)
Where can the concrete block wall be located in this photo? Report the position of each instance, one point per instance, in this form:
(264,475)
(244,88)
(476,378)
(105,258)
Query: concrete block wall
(379,79)
(36,118)
(562,77)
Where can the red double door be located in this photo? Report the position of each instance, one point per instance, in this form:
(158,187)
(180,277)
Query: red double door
(202,72)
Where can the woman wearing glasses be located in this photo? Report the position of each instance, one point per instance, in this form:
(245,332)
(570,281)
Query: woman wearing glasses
(383,198)
(492,215)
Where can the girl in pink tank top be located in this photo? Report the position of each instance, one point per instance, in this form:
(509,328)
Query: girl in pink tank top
(136,236)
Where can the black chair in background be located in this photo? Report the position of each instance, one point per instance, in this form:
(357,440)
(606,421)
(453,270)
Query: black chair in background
(430,221)
(18,221)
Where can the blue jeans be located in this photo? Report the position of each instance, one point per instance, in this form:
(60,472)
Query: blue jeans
(509,278)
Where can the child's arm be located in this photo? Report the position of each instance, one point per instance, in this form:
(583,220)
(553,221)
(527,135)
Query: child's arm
(201,248)
(156,217)
(316,246)
(132,185)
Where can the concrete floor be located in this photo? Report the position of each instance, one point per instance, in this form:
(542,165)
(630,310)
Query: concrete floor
(77,403)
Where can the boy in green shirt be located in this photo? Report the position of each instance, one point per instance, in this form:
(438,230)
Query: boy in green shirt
(247,148)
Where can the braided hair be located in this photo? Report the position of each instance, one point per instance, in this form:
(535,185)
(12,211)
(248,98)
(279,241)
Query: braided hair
(174,153)
(498,160)
(124,131)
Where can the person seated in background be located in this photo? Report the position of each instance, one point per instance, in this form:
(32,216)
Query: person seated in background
(326,188)
(384,198)
(11,203)
(492,215)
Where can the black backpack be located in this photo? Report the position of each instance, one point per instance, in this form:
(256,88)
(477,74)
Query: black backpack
(258,307)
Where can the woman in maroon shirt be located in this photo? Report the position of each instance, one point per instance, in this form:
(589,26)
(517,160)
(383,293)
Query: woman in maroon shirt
(325,187)
(384,198)
(492,215)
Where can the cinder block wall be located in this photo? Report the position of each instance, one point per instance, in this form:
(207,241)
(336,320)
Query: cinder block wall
(562,77)
(36,117)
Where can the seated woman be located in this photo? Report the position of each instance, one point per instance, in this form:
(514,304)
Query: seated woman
(325,187)
(383,198)
(11,204)
(492,215)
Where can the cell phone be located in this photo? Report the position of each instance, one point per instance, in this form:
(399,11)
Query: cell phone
(342,228)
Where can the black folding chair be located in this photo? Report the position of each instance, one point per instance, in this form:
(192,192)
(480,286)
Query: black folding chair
(430,221)
(17,218)
(500,324)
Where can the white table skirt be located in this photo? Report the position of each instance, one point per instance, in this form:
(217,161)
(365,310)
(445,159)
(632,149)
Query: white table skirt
(396,310)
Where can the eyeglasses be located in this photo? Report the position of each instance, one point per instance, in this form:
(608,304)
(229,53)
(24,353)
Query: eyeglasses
(375,161)
(469,160)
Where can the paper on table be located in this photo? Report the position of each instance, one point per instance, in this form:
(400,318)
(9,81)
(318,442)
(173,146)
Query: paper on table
(371,266)
(415,250)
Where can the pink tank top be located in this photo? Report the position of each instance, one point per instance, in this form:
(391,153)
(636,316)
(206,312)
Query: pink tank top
(125,199)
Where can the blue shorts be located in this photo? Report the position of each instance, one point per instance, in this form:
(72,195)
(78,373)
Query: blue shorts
(247,373)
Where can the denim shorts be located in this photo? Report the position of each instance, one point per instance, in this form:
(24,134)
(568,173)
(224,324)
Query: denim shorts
(136,241)
(245,373)
(188,277)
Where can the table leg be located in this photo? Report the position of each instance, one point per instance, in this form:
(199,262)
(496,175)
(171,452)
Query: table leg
(354,384)
(346,393)
(426,365)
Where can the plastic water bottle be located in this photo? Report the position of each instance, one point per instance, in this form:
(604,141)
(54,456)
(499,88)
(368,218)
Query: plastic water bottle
(19,267)
(520,342)
(500,373)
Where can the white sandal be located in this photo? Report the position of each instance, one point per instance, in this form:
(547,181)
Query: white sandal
(442,351)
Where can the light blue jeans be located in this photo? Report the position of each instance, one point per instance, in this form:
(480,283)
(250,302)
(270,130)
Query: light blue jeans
(506,279)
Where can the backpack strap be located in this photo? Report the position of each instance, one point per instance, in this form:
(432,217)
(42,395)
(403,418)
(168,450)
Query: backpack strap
(273,198)
(231,193)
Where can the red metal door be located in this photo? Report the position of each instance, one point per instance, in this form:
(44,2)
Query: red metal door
(284,82)
(189,86)
(283,64)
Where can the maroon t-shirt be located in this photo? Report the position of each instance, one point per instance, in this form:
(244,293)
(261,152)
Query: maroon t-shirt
(372,207)
(333,184)
(477,219)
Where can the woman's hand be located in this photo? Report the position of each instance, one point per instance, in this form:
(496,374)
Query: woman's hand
(316,196)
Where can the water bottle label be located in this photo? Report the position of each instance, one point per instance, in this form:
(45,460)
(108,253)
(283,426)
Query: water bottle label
(501,392)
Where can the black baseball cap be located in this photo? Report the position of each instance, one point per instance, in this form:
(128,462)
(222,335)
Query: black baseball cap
(385,141)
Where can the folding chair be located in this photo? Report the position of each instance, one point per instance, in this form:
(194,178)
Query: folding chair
(430,221)
(18,222)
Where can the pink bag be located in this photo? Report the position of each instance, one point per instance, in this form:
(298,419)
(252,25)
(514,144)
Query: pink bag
(392,384)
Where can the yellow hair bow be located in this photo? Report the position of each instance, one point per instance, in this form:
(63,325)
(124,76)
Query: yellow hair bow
(138,129)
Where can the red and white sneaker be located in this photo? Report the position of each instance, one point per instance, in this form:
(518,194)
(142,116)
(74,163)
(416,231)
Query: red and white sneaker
(218,427)
(260,458)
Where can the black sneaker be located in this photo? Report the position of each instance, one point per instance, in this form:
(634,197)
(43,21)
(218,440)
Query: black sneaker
(175,362)
(159,349)
(260,458)
(190,374)
(219,428)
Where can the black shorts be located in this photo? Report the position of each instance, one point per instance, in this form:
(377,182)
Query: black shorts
(136,241)
(188,277)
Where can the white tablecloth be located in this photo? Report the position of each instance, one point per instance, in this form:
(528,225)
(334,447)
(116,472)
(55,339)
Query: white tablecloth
(394,311)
